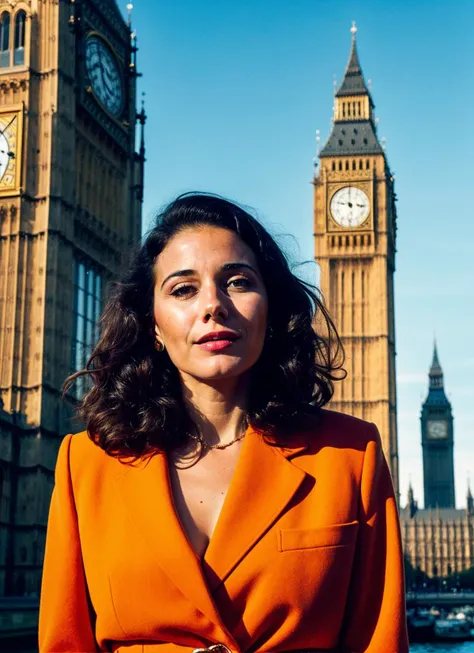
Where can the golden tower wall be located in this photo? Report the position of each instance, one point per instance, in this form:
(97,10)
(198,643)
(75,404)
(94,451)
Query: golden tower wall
(357,267)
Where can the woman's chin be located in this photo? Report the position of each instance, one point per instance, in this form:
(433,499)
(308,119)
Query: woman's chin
(222,372)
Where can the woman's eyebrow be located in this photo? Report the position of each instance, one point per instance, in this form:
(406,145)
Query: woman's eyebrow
(238,264)
(179,273)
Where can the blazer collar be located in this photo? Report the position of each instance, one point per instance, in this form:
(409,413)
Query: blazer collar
(263,484)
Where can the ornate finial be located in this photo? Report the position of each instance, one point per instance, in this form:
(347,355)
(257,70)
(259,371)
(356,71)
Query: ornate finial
(353,29)
(129,11)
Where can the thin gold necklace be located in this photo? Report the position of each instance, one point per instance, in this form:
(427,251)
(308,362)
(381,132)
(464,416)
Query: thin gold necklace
(205,444)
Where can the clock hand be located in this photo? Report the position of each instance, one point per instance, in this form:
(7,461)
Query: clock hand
(2,132)
(101,66)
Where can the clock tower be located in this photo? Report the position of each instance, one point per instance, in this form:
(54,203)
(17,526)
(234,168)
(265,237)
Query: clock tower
(71,185)
(437,440)
(354,230)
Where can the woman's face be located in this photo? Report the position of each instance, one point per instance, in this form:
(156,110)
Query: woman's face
(210,304)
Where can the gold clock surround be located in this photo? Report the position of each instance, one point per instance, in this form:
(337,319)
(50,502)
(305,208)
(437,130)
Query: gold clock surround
(364,186)
(11,126)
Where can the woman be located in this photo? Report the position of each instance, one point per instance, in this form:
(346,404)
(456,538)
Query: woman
(212,504)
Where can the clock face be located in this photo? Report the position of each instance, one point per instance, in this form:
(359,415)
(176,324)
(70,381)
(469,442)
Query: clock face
(4,155)
(8,151)
(437,429)
(350,206)
(105,75)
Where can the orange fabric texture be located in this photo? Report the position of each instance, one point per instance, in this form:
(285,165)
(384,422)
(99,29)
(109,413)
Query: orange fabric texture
(306,552)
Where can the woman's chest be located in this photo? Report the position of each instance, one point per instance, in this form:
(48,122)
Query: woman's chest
(199,493)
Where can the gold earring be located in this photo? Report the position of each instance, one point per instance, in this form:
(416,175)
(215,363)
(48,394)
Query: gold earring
(159,346)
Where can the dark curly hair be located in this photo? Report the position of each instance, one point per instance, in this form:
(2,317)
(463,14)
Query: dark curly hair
(136,407)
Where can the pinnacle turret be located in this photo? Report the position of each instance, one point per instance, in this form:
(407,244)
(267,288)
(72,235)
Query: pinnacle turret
(470,500)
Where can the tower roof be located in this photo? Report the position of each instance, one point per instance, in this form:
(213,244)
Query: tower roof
(353,82)
(436,393)
(349,136)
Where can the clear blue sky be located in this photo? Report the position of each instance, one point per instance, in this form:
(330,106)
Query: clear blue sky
(234,94)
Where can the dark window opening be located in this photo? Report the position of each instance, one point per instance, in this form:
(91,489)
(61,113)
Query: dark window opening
(19,51)
(87,309)
(5,40)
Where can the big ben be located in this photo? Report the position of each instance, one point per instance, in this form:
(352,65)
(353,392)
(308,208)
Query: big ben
(355,231)
(71,186)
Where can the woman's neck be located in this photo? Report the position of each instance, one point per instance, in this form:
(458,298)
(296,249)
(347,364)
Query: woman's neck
(218,409)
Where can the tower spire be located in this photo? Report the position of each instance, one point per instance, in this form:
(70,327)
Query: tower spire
(412,504)
(353,82)
(436,372)
(354,129)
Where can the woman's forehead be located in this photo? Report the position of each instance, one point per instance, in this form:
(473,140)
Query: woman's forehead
(202,247)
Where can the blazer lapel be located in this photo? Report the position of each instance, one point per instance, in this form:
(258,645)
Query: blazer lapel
(263,484)
(145,489)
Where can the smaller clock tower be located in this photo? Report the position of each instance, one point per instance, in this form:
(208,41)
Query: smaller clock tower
(437,440)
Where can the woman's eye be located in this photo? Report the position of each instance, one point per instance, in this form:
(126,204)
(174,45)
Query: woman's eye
(183,291)
(240,282)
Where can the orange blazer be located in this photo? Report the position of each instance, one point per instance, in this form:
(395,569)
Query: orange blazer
(306,553)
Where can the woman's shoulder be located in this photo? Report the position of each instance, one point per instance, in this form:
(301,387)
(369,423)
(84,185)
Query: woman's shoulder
(84,457)
(332,428)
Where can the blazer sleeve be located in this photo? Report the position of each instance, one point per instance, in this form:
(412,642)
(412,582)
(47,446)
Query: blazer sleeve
(65,617)
(375,616)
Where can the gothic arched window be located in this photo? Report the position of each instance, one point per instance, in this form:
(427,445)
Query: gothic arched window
(5,40)
(19,46)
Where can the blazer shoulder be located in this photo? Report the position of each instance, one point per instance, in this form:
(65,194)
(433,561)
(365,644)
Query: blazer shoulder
(339,429)
(86,458)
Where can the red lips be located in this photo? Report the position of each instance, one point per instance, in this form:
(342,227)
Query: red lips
(218,335)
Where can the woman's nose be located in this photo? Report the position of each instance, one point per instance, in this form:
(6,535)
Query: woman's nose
(214,305)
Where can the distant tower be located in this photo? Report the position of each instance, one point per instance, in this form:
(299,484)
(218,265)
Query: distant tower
(437,440)
(355,230)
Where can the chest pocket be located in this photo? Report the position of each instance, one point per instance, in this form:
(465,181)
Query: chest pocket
(335,535)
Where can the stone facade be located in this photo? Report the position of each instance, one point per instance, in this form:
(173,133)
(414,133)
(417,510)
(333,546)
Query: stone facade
(354,229)
(70,195)
(439,542)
